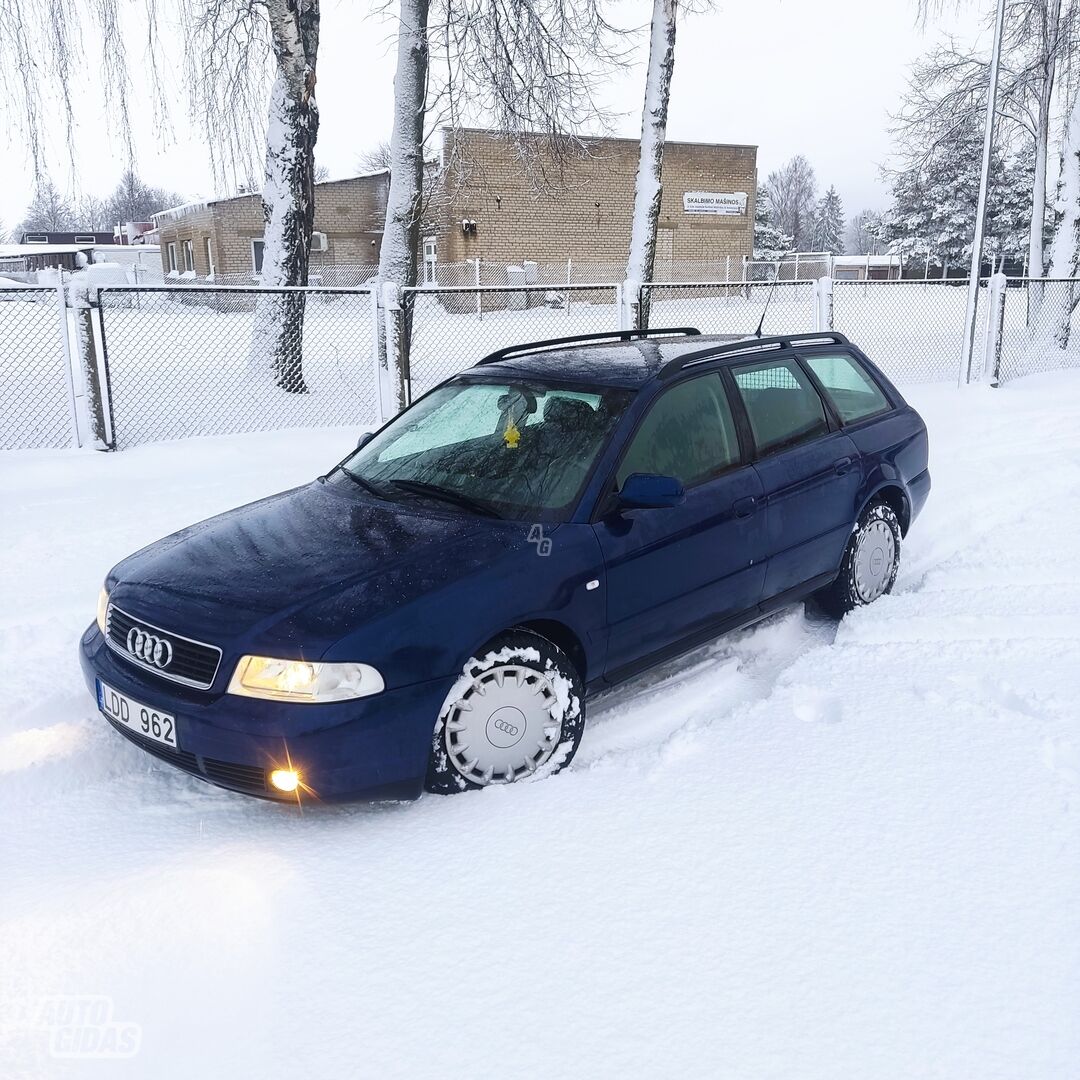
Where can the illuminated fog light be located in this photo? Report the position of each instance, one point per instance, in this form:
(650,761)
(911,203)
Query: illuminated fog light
(285,779)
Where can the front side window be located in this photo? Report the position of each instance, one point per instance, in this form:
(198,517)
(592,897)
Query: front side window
(781,403)
(687,433)
(848,386)
(519,450)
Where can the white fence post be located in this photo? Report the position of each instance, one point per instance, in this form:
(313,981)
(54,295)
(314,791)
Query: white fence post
(629,297)
(995,329)
(376,355)
(823,309)
(479,295)
(65,345)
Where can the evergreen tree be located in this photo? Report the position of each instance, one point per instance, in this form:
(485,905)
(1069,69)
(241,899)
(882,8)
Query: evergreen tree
(829,224)
(770,242)
(934,204)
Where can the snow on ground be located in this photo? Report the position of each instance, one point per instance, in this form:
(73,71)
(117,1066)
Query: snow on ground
(806,850)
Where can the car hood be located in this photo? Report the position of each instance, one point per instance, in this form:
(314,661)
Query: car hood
(317,555)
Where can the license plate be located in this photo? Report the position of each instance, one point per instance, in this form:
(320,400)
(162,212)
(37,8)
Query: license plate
(144,720)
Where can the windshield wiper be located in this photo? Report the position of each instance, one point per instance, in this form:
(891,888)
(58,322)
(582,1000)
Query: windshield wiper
(457,498)
(367,485)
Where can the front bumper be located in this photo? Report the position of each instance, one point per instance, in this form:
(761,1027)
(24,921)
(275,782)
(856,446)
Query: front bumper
(372,748)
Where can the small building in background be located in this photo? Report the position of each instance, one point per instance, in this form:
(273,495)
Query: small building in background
(866,267)
(79,238)
(223,238)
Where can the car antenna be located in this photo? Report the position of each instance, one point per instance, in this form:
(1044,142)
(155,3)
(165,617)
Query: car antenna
(768,301)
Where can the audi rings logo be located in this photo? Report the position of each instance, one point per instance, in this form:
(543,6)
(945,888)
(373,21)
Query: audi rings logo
(149,648)
(502,725)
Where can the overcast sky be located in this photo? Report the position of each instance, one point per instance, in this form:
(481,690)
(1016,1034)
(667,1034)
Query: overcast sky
(791,76)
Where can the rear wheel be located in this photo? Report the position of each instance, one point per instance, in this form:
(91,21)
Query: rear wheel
(870,562)
(515,713)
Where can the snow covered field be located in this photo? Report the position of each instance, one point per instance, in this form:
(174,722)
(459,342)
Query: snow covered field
(803,851)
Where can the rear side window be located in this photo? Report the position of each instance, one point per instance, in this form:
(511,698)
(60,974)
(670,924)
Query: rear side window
(688,433)
(848,385)
(781,403)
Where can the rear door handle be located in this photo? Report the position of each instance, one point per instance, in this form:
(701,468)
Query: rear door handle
(842,465)
(744,507)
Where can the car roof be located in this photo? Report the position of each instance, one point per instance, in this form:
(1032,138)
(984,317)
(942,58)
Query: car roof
(628,364)
(632,364)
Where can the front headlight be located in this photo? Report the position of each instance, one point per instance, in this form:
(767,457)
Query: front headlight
(102,608)
(303,680)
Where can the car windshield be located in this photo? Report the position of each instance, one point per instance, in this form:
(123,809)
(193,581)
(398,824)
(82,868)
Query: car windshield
(518,450)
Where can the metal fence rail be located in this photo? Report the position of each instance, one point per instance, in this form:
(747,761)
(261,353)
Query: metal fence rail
(913,330)
(183,362)
(37,402)
(724,308)
(453,328)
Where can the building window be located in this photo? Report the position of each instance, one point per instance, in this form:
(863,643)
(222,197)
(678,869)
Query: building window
(36,238)
(431,259)
(258,245)
(83,238)
(209,257)
(171,252)
(189,256)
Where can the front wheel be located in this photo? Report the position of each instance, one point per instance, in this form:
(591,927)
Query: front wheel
(871,561)
(515,713)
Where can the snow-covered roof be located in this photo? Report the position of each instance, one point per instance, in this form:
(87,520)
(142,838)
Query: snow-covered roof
(17,251)
(174,213)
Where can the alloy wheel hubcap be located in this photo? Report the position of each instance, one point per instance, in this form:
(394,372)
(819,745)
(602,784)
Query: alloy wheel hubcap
(502,727)
(874,559)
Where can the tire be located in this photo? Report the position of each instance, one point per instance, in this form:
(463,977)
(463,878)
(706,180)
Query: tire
(870,562)
(516,713)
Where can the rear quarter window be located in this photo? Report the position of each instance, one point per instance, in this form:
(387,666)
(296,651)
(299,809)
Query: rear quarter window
(781,403)
(848,386)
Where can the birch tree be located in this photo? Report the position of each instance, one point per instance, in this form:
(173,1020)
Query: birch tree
(520,69)
(648,186)
(1055,315)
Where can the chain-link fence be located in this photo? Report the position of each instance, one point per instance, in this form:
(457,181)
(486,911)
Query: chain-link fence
(208,362)
(913,330)
(37,405)
(453,328)
(1041,329)
(721,308)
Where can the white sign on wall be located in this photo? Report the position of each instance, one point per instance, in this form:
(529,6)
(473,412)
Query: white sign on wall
(727,204)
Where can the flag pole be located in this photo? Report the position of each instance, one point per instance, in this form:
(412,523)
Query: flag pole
(984,183)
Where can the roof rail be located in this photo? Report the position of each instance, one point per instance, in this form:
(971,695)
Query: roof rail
(748,346)
(577,339)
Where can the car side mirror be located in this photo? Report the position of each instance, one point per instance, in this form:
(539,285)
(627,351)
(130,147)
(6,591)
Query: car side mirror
(647,491)
(364,439)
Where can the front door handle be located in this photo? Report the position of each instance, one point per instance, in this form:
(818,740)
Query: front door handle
(744,507)
(842,465)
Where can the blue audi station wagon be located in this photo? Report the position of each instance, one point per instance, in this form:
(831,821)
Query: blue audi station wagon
(435,611)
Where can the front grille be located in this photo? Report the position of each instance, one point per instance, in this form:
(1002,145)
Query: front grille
(192,663)
(249,779)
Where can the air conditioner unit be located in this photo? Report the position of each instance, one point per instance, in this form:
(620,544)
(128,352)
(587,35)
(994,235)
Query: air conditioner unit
(319,241)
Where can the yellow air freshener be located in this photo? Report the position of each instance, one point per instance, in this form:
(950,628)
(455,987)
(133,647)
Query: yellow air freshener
(511,436)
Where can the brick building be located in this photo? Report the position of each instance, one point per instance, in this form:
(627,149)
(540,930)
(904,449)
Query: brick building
(489,208)
(224,237)
(482,204)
